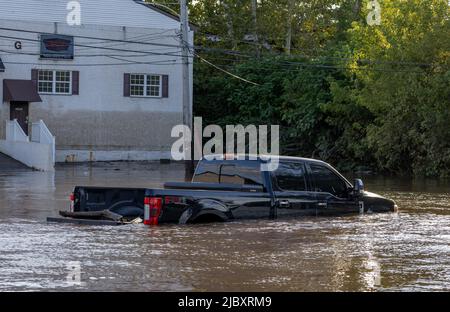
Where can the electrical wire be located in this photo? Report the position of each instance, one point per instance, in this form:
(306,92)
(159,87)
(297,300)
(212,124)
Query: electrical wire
(193,47)
(93,64)
(10,52)
(226,72)
(102,48)
(90,38)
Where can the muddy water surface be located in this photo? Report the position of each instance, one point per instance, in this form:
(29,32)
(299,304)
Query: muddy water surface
(388,252)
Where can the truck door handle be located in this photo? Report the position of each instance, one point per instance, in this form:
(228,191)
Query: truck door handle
(284,204)
(322,204)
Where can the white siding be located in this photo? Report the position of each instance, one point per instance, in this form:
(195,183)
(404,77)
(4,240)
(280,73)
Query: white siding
(99,123)
(126,13)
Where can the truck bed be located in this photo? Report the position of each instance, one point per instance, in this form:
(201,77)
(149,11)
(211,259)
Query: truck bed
(89,199)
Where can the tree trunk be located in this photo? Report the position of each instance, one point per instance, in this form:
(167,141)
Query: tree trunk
(229,23)
(289,27)
(357,8)
(255,26)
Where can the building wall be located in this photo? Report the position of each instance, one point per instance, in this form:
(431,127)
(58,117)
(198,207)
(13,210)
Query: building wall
(100,122)
(99,12)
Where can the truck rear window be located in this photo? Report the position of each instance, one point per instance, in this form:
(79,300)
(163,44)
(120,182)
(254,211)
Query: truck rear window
(228,173)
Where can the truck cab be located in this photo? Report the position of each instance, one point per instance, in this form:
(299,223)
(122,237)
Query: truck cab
(299,186)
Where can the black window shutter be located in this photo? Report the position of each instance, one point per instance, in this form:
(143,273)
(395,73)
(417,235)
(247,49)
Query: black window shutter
(75,82)
(126,85)
(34,77)
(165,86)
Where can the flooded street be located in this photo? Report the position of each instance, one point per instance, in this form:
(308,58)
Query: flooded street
(408,251)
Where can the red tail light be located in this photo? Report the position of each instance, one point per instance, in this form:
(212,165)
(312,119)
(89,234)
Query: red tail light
(152,210)
(72,202)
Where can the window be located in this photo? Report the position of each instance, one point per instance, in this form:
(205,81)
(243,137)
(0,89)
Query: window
(242,175)
(207,172)
(54,82)
(218,172)
(328,182)
(290,176)
(145,85)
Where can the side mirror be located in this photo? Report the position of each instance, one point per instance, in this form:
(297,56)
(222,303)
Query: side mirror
(358,187)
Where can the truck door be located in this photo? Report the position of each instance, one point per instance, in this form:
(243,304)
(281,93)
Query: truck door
(292,191)
(331,191)
(251,204)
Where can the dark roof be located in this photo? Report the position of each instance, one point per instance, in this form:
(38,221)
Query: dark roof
(2,67)
(20,90)
(166,13)
(267,156)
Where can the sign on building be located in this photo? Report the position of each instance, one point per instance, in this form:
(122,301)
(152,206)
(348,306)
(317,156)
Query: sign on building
(56,46)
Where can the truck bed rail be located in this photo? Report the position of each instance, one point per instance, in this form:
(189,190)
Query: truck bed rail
(213,187)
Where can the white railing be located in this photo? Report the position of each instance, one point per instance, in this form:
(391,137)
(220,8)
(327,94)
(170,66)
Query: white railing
(41,134)
(14,132)
(39,153)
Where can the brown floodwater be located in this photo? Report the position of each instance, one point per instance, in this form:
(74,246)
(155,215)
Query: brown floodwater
(405,251)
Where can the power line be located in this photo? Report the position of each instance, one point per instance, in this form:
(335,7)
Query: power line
(285,63)
(144,63)
(102,48)
(10,52)
(213,50)
(93,38)
(317,55)
(226,72)
(292,67)
(281,63)
(115,44)
(163,63)
(208,49)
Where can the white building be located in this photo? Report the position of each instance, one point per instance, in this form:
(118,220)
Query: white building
(108,89)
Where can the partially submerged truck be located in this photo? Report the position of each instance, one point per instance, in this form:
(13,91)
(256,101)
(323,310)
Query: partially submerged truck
(230,189)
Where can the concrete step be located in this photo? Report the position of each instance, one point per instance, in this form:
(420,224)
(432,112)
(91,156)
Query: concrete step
(7,164)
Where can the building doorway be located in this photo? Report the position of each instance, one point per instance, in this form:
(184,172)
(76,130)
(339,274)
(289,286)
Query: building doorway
(19,111)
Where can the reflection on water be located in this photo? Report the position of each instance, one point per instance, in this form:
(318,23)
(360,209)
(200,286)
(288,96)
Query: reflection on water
(405,251)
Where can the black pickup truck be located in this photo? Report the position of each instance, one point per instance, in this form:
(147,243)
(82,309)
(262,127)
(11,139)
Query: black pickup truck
(224,190)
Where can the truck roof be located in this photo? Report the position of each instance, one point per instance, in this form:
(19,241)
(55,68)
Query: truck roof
(261,157)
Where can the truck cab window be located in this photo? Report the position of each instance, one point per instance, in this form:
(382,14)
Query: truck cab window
(207,172)
(217,172)
(242,175)
(290,176)
(328,182)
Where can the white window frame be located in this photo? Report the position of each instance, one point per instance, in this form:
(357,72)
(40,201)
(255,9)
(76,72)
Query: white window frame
(145,85)
(54,82)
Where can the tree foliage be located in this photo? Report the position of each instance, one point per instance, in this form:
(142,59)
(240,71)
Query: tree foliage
(356,95)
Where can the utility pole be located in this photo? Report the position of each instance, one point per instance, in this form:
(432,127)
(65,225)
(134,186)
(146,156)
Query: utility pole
(187,107)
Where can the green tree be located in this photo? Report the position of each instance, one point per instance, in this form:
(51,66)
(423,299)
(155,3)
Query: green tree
(405,85)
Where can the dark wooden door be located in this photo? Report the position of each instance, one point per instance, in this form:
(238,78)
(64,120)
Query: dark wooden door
(19,111)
